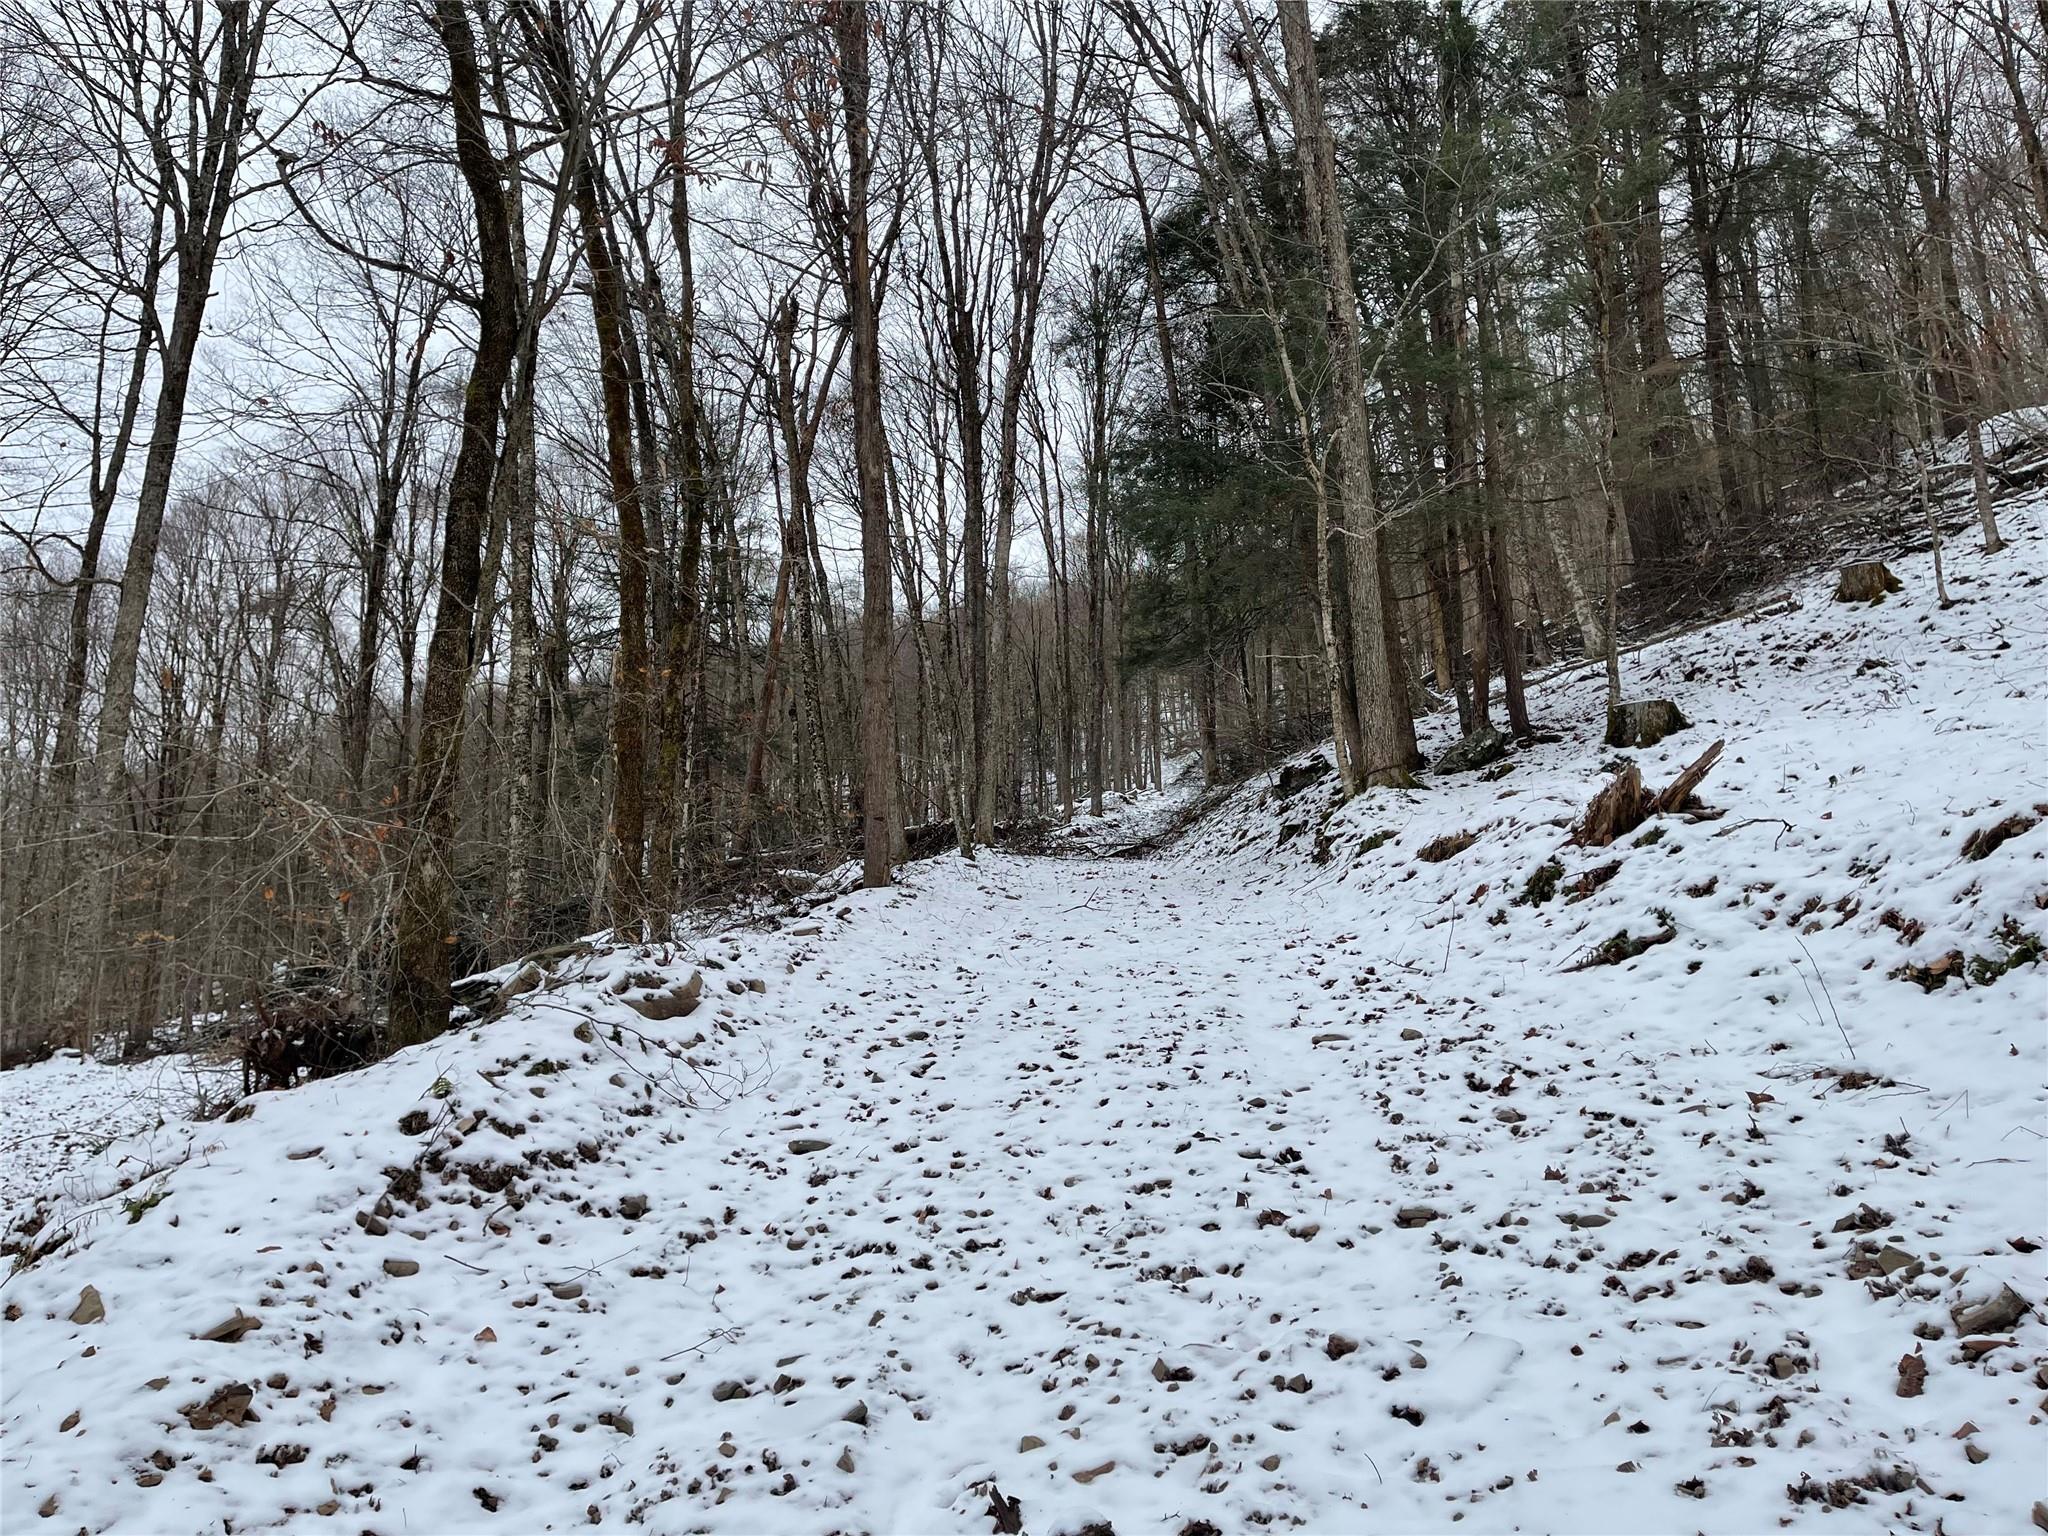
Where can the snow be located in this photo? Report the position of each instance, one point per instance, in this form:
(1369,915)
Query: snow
(2021,430)
(1135,1204)
(73,1128)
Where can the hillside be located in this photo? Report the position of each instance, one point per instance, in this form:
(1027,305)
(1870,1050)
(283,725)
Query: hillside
(1315,1171)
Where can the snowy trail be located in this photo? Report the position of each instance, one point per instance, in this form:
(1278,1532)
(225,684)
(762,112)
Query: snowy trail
(1038,1107)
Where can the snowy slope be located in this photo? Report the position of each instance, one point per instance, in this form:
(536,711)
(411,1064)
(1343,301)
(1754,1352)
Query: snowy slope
(57,1118)
(1222,1189)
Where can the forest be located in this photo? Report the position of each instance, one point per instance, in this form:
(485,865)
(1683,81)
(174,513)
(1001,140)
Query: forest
(476,473)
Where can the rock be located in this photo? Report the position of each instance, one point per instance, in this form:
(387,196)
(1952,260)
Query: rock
(1998,1315)
(1784,1366)
(1328,1037)
(676,1001)
(1029,1443)
(845,1461)
(1339,1346)
(1865,581)
(566,1290)
(1865,1218)
(1643,723)
(616,1418)
(521,981)
(805,931)
(48,1507)
(1161,1371)
(808,1144)
(1977,1454)
(401,1267)
(857,1414)
(231,1330)
(1411,1034)
(1912,1375)
(726,1391)
(1270,1463)
(1416,1215)
(1477,749)
(1295,777)
(1508,1116)
(1090,1474)
(633,1207)
(90,1308)
(1891,1260)
(2041,1514)
(229,1405)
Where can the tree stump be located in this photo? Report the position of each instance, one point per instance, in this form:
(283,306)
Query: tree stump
(1643,723)
(1865,581)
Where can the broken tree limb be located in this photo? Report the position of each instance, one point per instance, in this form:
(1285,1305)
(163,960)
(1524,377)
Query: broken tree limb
(1678,792)
(1622,805)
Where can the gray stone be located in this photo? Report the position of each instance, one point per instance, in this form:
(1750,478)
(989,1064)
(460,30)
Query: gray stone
(1478,749)
(2001,1313)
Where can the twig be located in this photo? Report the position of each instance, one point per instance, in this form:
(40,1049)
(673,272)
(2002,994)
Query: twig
(730,1335)
(1817,971)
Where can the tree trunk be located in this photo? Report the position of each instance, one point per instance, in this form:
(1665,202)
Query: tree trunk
(1385,729)
(422,943)
(871,452)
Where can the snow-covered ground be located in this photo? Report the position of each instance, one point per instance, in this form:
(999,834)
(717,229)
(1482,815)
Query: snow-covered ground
(73,1129)
(1288,1178)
